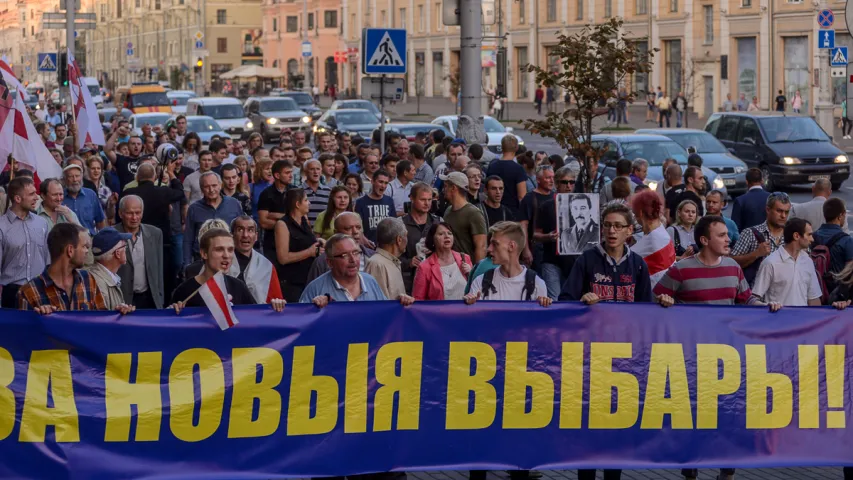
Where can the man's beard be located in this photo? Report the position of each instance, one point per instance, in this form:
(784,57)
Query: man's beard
(74,188)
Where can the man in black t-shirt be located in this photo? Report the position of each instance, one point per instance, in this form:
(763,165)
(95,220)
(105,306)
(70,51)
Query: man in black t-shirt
(512,173)
(271,206)
(780,102)
(217,251)
(694,182)
(555,268)
(532,254)
(125,166)
(491,207)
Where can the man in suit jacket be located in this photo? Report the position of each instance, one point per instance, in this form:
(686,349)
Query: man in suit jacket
(584,232)
(750,209)
(142,275)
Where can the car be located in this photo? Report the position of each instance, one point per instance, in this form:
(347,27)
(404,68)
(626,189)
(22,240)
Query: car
(789,149)
(179,102)
(271,115)
(714,155)
(494,129)
(137,120)
(351,120)
(652,148)
(362,104)
(409,130)
(54,95)
(109,112)
(94,88)
(228,113)
(303,100)
(205,126)
(188,93)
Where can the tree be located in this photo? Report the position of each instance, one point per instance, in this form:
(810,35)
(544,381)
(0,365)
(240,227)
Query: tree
(455,78)
(595,61)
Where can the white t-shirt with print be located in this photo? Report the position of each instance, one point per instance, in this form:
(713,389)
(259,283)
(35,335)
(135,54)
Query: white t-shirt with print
(509,288)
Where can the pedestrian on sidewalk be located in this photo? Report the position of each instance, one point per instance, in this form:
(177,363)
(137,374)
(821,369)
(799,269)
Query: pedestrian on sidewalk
(549,99)
(797,103)
(781,101)
(728,106)
(664,106)
(537,99)
(497,107)
(846,125)
(680,109)
(753,107)
(650,102)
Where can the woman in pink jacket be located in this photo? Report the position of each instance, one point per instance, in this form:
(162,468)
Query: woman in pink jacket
(443,275)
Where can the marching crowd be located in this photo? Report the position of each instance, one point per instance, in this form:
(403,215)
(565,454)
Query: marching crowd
(147,219)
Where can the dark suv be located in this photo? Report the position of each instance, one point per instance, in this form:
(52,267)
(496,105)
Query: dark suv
(789,149)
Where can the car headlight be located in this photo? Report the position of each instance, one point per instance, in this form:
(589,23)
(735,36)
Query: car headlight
(306,119)
(791,160)
(718,183)
(250,125)
(272,121)
(740,169)
(841,159)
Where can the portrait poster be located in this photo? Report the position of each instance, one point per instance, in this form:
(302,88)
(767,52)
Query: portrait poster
(578,222)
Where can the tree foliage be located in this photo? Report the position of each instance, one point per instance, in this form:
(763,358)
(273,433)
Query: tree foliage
(595,61)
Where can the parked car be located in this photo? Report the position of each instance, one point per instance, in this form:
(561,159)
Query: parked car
(494,129)
(206,127)
(714,155)
(354,121)
(137,120)
(228,113)
(412,129)
(143,97)
(357,103)
(94,88)
(179,102)
(271,115)
(654,149)
(303,100)
(789,149)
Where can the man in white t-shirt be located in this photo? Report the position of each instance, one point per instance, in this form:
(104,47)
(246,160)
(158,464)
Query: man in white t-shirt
(788,276)
(511,280)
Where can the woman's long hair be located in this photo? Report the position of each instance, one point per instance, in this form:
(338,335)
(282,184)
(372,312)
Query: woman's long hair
(330,206)
(845,276)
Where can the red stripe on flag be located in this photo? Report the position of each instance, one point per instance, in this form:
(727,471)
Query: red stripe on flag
(220,299)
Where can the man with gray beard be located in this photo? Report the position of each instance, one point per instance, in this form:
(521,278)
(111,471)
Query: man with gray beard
(82,201)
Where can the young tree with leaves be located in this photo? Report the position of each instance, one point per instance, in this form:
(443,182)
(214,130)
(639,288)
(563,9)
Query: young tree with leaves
(595,62)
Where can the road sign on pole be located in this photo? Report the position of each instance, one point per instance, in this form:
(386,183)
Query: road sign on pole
(199,44)
(306,49)
(384,51)
(383,88)
(825,18)
(47,62)
(838,57)
(825,39)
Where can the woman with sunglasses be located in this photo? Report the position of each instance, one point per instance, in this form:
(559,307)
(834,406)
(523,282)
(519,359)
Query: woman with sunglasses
(555,268)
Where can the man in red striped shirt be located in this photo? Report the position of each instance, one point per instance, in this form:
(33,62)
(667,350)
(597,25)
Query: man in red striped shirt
(709,277)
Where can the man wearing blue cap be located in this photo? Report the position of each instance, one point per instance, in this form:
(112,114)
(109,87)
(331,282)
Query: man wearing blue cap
(109,247)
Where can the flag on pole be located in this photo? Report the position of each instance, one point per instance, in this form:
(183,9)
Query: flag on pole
(89,127)
(13,82)
(18,136)
(215,296)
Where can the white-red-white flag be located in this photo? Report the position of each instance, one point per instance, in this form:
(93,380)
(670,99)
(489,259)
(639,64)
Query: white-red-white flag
(18,135)
(89,127)
(13,83)
(261,278)
(215,296)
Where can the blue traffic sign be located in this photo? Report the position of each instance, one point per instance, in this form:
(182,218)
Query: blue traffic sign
(129,52)
(825,18)
(46,62)
(306,49)
(838,57)
(199,44)
(383,51)
(825,39)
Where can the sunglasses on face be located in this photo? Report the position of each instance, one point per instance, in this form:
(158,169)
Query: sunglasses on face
(567,182)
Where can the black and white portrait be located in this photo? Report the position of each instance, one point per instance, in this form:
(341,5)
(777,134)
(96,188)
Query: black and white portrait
(577,221)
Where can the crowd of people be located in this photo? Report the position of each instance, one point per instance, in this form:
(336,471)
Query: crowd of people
(146,220)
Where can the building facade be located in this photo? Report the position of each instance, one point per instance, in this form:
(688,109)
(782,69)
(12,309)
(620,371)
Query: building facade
(707,48)
(142,40)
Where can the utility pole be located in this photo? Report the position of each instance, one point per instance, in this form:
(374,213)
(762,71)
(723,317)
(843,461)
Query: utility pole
(470,45)
(305,60)
(824,107)
(70,7)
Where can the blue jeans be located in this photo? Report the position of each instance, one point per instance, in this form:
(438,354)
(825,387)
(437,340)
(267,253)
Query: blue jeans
(679,115)
(177,251)
(554,278)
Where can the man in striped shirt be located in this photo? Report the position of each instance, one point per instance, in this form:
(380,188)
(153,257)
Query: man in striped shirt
(318,194)
(709,277)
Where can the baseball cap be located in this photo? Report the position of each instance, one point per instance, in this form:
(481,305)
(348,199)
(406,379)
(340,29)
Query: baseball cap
(72,166)
(107,239)
(457,178)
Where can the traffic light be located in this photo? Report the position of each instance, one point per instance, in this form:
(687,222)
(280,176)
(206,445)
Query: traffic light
(199,64)
(62,70)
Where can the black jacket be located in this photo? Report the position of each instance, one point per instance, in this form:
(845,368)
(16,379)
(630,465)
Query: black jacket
(156,201)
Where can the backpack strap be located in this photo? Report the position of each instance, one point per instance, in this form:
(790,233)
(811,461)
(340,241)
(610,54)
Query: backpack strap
(835,238)
(488,286)
(676,239)
(529,285)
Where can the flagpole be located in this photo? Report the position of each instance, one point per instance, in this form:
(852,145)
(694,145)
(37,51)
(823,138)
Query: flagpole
(199,287)
(68,65)
(11,167)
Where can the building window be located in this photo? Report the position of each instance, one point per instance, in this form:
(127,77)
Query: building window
(330,19)
(708,10)
(522,9)
(746,3)
(524,84)
(118,8)
(310,21)
(642,7)
(421,18)
(641,79)
(32,30)
(437,72)
(292,24)
(220,17)
(608,8)
(438,19)
(156,4)
(402,18)
(274,24)
(383,18)
(580,9)
(796,68)
(552,11)
(221,45)
(673,5)
(24,34)
(673,66)
(138,4)
(747,67)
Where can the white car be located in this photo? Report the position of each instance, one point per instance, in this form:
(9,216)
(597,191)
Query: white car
(227,111)
(137,120)
(178,101)
(494,129)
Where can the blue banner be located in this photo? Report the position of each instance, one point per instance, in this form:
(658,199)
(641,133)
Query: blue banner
(370,387)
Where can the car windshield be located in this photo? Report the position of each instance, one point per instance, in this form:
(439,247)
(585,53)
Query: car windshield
(655,152)
(792,129)
(355,118)
(94,90)
(223,111)
(200,125)
(152,120)
(108,114)
(491,125)
(151,99)
(703,141)
(411,131)
(179,100)
(301,99)
(359,104)
(278,105)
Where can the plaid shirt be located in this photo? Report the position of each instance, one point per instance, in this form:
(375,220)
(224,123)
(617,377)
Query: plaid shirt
(747,243)
(42,291)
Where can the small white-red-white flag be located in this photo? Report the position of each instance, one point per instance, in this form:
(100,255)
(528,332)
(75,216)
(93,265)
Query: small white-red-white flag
(89,127)
(215,296)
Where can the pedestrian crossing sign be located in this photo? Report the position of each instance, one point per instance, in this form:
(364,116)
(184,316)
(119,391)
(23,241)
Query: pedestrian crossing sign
(384,51)
(47,62)
(838,57)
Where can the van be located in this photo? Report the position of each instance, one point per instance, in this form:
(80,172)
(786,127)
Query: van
(143,97)
(787,148)
(94,90)
(227,111)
